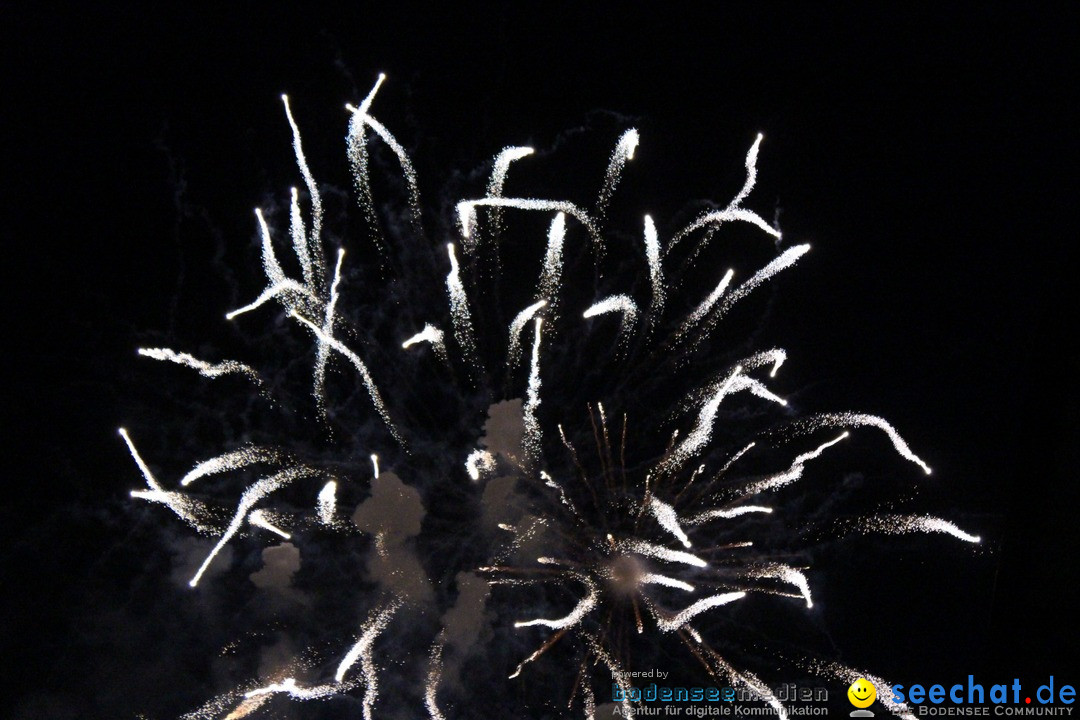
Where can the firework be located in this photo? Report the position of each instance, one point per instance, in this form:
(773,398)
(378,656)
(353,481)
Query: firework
(643,522)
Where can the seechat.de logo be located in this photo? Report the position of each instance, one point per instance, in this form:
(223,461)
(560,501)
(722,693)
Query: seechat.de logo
(861,694)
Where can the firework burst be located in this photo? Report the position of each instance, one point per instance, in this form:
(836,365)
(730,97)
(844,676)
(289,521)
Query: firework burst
(614,511)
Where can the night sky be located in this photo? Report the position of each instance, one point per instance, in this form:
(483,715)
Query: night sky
(929,157)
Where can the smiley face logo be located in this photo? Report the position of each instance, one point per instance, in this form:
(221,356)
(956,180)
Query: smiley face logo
(861,694)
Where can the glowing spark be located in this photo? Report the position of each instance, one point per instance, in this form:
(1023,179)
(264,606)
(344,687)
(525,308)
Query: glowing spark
(360,119)
(258,519)
(459,308)
(281,288)
(775,356)
(495,188)
(208,370)
(231,461)
(517,326)
(279,284)
(661,553)
(576,615)
(623,152)
(551,275)
(706,305)
(369,383)
(375,465)
(667,624)
(851,419)
(665,515)
(313,268)
(733,212)
(252,495)
(652,254)
(327,503)
(786,259)
(289,687)
(702,432)
(177,502)
(431,686)
(794,472)
(322,349)
(616,303)
(467,211)
(532,397)
(901,524)
(550,482)
(432,335)
(478,463)
(654,579)
(787,574)
(727,513)
(502,164)
(361,651)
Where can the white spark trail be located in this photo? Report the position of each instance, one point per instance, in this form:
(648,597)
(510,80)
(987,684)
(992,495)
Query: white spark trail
(668,519)
(289,687)
(299,238)
(501,167)
(314,270)
(784,573)
(785,260)
(258,519)
(434,337)
(322,351)
(656,278)
(733,212)
(279,284)
(206,369)
(623,152)
(360,118)
(704,306)
(269,294)
(184,507)
(467,211)
(775,356)
(327,503)
(479,462)
(674,622)
(852,419)
(702,431)
(459,309)
(431,685)
(517,326)
(727,513)
(654,579)
(616,303)
(361,651)
(550,482)
(531,441)
(794,471)
(576,615)
(659,552)
(902,524)
(252,495)
(250,455)
(369,383)
(375,465)
(551,275)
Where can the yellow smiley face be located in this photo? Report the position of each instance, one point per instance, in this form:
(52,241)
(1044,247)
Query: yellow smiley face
(861,693)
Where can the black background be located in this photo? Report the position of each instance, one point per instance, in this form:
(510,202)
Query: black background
(928,155)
